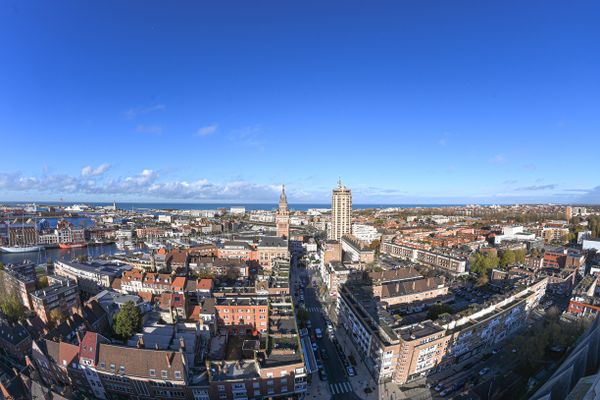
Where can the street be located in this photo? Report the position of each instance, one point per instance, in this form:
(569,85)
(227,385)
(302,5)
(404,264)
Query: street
(338,383)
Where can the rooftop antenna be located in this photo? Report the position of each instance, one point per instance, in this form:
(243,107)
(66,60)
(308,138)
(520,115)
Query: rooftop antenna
(339,182)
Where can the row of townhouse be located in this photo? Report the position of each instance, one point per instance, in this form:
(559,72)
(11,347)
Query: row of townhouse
(136,281)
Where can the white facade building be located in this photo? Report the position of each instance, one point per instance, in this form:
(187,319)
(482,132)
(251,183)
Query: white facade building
(366,233)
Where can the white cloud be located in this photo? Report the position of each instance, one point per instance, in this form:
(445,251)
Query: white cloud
(145,185)
(137,111)
(498,159)
(248,136)
(207,130)
(537,187)
(90,171)
(149,129)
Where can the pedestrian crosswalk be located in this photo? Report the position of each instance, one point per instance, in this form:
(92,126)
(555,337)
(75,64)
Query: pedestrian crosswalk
(314,309)
(340,387)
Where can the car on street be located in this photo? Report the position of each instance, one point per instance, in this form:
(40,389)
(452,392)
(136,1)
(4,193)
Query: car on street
(308,324)
(322,375)
(318,333)
(314,347)
(350,371)
(324,354)
(446,392)
(484,371)
(439,387)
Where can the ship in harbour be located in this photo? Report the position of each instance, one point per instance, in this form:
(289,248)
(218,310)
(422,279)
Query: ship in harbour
(20,249)
(72,245)
(22,238)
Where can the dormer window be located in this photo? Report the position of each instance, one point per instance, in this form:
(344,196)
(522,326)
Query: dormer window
(152,372)
(164,374)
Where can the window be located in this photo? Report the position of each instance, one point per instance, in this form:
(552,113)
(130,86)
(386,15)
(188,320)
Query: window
(112,367)
(164,374)
(102,365)
(177,374)
(122,369)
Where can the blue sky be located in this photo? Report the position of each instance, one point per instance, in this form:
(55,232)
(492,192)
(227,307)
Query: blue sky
(407,102)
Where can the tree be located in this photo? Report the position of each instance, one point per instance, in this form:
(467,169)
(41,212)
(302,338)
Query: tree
(233,273)
(12,307)
(508,258)
(520,256)
(437,309)
(375,244)
(42,282)
(56,316)
(483,264)
(127,321)
(482,281)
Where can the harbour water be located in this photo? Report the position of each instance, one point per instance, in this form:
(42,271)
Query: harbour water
(58,254)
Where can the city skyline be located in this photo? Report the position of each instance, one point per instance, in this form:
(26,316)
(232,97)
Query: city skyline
(410,104)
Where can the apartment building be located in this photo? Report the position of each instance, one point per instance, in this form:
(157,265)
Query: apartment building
(452,263)
(356,250)
(341,212)
(236,250)
(269,364)
(91,278)
(270,248)
(20,279)
(394,351)
(242,315)
(15,341)
(365,233)
(62,295)
(584,299)
(334,275)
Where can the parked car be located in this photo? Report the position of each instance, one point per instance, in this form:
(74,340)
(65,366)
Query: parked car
(318,333)
(324,354)
(484,371)
(314,347)
(322,375)
(350,371)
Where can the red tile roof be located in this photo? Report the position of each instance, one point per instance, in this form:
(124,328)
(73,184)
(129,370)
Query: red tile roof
(205,284)
(179,283)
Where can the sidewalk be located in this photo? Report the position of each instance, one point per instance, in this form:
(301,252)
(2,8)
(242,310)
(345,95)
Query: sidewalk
(363,378)
(318,389)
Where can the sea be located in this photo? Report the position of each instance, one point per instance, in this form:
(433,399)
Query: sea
(214,206)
